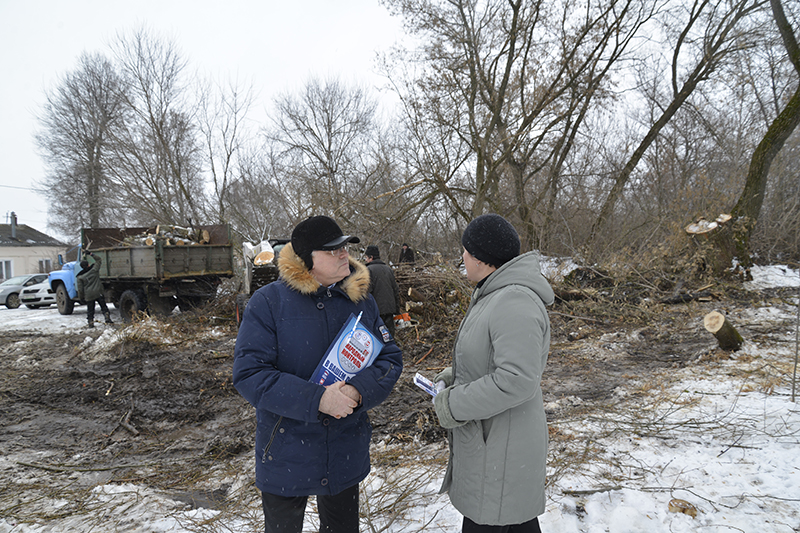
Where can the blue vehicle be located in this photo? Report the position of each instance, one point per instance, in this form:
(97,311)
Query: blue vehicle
(62,282)
(152,274)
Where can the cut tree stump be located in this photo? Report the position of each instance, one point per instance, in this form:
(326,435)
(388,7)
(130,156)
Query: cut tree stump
(727,336)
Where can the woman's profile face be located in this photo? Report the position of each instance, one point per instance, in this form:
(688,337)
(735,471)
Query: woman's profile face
(476,270)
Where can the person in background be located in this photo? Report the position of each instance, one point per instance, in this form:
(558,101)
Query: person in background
(406,254)
(90,288)
(311,439)
(383,286)
(492,404)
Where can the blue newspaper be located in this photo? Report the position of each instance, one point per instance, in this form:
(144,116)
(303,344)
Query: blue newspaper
(353,350)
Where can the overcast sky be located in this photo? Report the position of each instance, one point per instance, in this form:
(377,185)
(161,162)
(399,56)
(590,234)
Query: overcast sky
(277,44)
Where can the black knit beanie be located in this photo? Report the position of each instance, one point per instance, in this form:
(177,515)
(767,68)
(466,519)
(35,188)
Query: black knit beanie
(318,233)
(491,239)
(373,252)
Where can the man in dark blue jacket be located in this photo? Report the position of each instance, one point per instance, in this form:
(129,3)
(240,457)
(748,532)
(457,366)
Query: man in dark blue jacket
(311,439)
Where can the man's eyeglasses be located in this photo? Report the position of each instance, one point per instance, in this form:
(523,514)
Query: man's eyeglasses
(338,252)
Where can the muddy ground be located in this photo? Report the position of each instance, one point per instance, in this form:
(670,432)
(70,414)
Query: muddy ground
(148,412)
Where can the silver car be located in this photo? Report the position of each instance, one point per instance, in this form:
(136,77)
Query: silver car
(11,288)
(38,295)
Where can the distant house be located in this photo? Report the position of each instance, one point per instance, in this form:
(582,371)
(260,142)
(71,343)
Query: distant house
(24,250)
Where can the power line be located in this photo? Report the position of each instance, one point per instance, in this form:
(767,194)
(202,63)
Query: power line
(22,188)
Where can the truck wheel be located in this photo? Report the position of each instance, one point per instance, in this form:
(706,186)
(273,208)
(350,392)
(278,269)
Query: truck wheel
(12,300)
(63,301)
(131,302)
(241,305)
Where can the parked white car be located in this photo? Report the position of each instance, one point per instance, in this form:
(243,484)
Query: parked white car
(39,295)
(11,288)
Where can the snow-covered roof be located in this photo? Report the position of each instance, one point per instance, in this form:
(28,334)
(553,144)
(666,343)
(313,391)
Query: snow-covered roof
(26,236)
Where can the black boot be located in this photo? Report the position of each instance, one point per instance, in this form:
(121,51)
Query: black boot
(91,324)
(108,318)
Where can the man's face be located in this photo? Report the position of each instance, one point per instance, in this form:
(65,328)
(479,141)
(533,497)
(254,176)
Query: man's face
(330,266)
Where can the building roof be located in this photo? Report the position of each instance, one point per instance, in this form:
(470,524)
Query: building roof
(26,236)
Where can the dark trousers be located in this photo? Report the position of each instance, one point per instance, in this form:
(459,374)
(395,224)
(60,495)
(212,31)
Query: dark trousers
(90,308)
(337,513)
(389,321)
(531,526)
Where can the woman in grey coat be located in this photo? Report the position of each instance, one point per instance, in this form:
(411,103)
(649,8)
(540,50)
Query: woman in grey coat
(492,405)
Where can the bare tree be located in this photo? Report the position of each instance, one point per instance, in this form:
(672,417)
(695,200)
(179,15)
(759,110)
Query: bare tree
(223,123)
(746,212)
(74,136)
(157,152)
(704,40)
(326,152)
(261,202)
(515,81)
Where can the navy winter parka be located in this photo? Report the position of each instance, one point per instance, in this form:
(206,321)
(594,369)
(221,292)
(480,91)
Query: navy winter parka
(286,329)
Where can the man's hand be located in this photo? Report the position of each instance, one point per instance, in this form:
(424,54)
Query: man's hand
(352,392)
(335,402)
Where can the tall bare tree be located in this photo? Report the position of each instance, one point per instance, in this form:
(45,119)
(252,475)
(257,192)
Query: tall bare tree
(224,125)
(157,150)
(710,33)
(516,80)
(74,134)
(325,135)
(746,211)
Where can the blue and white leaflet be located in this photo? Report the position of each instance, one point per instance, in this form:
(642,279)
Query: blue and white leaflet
(353,349)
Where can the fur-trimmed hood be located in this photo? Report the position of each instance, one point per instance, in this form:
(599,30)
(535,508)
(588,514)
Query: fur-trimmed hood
(294,272)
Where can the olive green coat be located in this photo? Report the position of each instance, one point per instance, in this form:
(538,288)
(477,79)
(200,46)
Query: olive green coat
(498,449)
(88,285)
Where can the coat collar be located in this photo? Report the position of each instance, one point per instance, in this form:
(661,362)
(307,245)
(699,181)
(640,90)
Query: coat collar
(294,272)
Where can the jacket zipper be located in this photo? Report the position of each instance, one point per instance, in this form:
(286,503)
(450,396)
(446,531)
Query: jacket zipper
(271,438)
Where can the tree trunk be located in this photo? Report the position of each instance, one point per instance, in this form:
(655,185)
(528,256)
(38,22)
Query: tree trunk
(727,336)
(748,207)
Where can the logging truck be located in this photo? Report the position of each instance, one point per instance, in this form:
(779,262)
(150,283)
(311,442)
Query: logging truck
(151,269)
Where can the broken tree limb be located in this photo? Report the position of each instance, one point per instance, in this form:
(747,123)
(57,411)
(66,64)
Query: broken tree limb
(687,297)
(726,335)
(416,295)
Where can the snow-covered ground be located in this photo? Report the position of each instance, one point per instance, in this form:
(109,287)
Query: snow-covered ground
(722,437)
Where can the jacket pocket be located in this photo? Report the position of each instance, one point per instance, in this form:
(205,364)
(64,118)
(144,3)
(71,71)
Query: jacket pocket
(469,454)
(389,371)
(271,440)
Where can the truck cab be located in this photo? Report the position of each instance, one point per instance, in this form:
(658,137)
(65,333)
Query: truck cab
(63,283)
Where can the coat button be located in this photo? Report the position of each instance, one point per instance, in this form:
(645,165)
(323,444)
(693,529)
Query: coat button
(326,421)
(282,430)
(320,305)
(324,482)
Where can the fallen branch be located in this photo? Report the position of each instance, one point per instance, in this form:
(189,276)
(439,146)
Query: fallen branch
(590,491)
(418,361)
(75,469)
(125,422)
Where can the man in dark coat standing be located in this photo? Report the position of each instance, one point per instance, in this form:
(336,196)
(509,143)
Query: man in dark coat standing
(310,438)
(90,288)
(383,286)
(406,254)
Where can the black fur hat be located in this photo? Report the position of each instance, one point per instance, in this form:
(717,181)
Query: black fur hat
(318,233)
(491,239)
